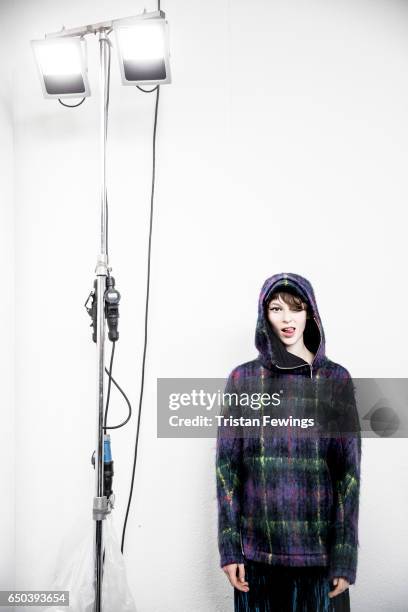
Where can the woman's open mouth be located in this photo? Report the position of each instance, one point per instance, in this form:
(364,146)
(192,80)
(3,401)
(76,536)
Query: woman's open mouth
(288,331)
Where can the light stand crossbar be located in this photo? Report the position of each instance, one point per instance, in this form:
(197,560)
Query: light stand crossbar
(103,26)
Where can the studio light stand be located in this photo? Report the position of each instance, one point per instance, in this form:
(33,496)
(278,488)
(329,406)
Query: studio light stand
(101,505)
(138,66)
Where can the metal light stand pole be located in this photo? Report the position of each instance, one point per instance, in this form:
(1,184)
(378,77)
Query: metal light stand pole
(101,505)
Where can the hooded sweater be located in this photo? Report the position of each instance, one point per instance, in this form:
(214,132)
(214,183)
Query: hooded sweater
(283,500)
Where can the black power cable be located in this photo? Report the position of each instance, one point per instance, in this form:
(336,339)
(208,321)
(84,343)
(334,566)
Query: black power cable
(111,379)
(71,105)
(147,90)
(146,319)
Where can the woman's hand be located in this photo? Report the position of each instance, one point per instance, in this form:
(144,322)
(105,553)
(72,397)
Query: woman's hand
(238,582)
(341,585)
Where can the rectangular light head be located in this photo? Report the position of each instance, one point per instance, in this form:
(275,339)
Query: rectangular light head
(143,49)
(62,67)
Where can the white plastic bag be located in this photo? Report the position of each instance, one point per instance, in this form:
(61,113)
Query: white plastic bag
(116,595)
(77,576)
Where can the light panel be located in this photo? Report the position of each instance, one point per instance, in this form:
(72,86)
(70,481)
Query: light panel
(143,50)
(61,64)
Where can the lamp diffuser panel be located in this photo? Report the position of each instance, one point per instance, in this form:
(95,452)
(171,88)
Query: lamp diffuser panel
(143,51)
(62,67)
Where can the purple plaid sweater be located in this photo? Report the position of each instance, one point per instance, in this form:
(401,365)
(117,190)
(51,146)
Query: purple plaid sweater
(283,500)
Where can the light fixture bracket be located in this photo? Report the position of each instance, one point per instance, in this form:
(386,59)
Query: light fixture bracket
(102,26)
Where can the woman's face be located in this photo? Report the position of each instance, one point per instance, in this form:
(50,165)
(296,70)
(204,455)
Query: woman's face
(287,322)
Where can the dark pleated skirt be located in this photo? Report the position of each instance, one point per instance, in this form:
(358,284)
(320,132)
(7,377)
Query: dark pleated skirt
(288,589)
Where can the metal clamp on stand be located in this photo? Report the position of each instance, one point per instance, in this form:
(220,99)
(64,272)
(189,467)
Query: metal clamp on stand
(101,508)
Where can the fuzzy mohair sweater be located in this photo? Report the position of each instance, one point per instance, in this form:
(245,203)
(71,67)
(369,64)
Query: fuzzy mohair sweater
(286,499)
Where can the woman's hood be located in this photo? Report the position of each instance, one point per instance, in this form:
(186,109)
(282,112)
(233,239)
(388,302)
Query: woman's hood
(271,349)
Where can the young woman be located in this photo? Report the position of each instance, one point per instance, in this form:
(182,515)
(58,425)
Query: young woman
(288,506)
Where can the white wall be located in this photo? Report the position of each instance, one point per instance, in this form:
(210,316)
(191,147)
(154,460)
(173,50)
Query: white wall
(7,455)
(281,147)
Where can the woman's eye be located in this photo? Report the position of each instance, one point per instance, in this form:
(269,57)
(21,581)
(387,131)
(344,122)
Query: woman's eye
(277,308)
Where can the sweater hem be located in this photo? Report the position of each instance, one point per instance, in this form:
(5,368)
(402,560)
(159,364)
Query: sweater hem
(288,559)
